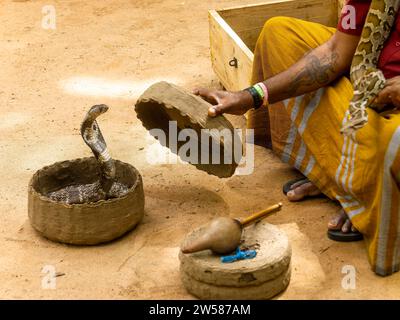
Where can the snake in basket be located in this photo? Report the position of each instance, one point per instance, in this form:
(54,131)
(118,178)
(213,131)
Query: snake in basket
(104,188)
(366,78)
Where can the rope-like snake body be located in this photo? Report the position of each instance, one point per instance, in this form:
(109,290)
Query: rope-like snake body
(366,78)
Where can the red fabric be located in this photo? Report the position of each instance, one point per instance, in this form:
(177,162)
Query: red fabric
(389,60)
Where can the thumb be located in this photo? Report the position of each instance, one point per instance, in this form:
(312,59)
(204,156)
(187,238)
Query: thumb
(216,110)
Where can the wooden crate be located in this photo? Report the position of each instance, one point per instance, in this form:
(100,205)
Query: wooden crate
(234,32)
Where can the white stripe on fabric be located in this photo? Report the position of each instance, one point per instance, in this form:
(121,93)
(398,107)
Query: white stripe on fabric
(286,102)
(346,166)
(296,107)
(310,166)
(347,163)
(386,200)
(309,109)
(349,204)
(355,212)
(346,197)
(350,184)
(345,141)
(287,151)
(314,103)
(348,201)
(342,159)
(300,155)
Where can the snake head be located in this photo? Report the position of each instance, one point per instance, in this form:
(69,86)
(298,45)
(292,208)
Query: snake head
(89,127)
(93,137)
(96,111)
(93,113)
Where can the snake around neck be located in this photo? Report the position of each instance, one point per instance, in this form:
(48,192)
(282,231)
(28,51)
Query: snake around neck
(366,78)
(104,188)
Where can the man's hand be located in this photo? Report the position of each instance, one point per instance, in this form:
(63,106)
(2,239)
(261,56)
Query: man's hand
(390,94)
(237,103)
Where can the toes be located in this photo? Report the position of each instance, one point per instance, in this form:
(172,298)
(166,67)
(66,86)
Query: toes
(346,226)
(314,191)
(341,222)
(293,196)
(337,221)
(296,193)
(302,190)
(297,184)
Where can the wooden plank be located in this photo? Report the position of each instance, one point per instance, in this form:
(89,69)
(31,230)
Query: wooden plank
(247,21)
(234,32)
(225,46)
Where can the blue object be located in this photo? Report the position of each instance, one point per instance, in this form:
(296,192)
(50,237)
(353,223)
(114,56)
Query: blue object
(239,255)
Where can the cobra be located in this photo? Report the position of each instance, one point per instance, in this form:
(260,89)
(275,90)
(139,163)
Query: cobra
(106,186)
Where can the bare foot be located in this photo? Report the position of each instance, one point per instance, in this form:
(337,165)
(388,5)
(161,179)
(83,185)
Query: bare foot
(341,222)
(300,190)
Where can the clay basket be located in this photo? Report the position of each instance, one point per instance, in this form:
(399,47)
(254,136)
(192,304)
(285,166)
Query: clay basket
(84,224)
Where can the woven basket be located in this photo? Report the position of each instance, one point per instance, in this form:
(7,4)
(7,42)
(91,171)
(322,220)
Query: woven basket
(84,224)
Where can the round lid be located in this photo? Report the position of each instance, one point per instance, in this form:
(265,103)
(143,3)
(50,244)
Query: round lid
(180,121)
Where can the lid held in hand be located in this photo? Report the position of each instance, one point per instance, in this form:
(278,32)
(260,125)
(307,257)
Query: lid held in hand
(180,121)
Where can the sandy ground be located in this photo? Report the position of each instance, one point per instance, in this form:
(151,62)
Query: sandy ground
(109,52)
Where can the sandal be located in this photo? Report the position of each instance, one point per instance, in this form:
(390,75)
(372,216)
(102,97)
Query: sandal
(338,235)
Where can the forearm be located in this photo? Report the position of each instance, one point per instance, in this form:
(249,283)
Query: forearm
(316,69)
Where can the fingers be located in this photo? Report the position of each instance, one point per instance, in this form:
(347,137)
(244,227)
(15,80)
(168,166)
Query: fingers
(392,81)
(206,94)
(212,97)
(197,91)
(396,101)
(385,96)
(390,94)
(221,101)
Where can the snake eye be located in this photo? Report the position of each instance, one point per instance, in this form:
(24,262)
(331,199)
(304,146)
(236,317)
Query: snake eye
(94,127)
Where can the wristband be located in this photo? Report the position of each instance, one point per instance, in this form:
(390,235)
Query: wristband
(260,91)
(257,100)
(265,90)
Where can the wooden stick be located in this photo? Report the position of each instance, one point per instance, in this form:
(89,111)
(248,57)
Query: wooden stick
(260,215)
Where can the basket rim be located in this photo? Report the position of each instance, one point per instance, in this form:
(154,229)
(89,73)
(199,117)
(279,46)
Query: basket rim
(44,198)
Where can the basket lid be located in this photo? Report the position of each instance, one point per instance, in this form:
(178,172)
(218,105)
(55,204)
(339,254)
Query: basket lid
(181,119)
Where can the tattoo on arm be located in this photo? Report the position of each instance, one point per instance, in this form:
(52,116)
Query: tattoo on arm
(317,71)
